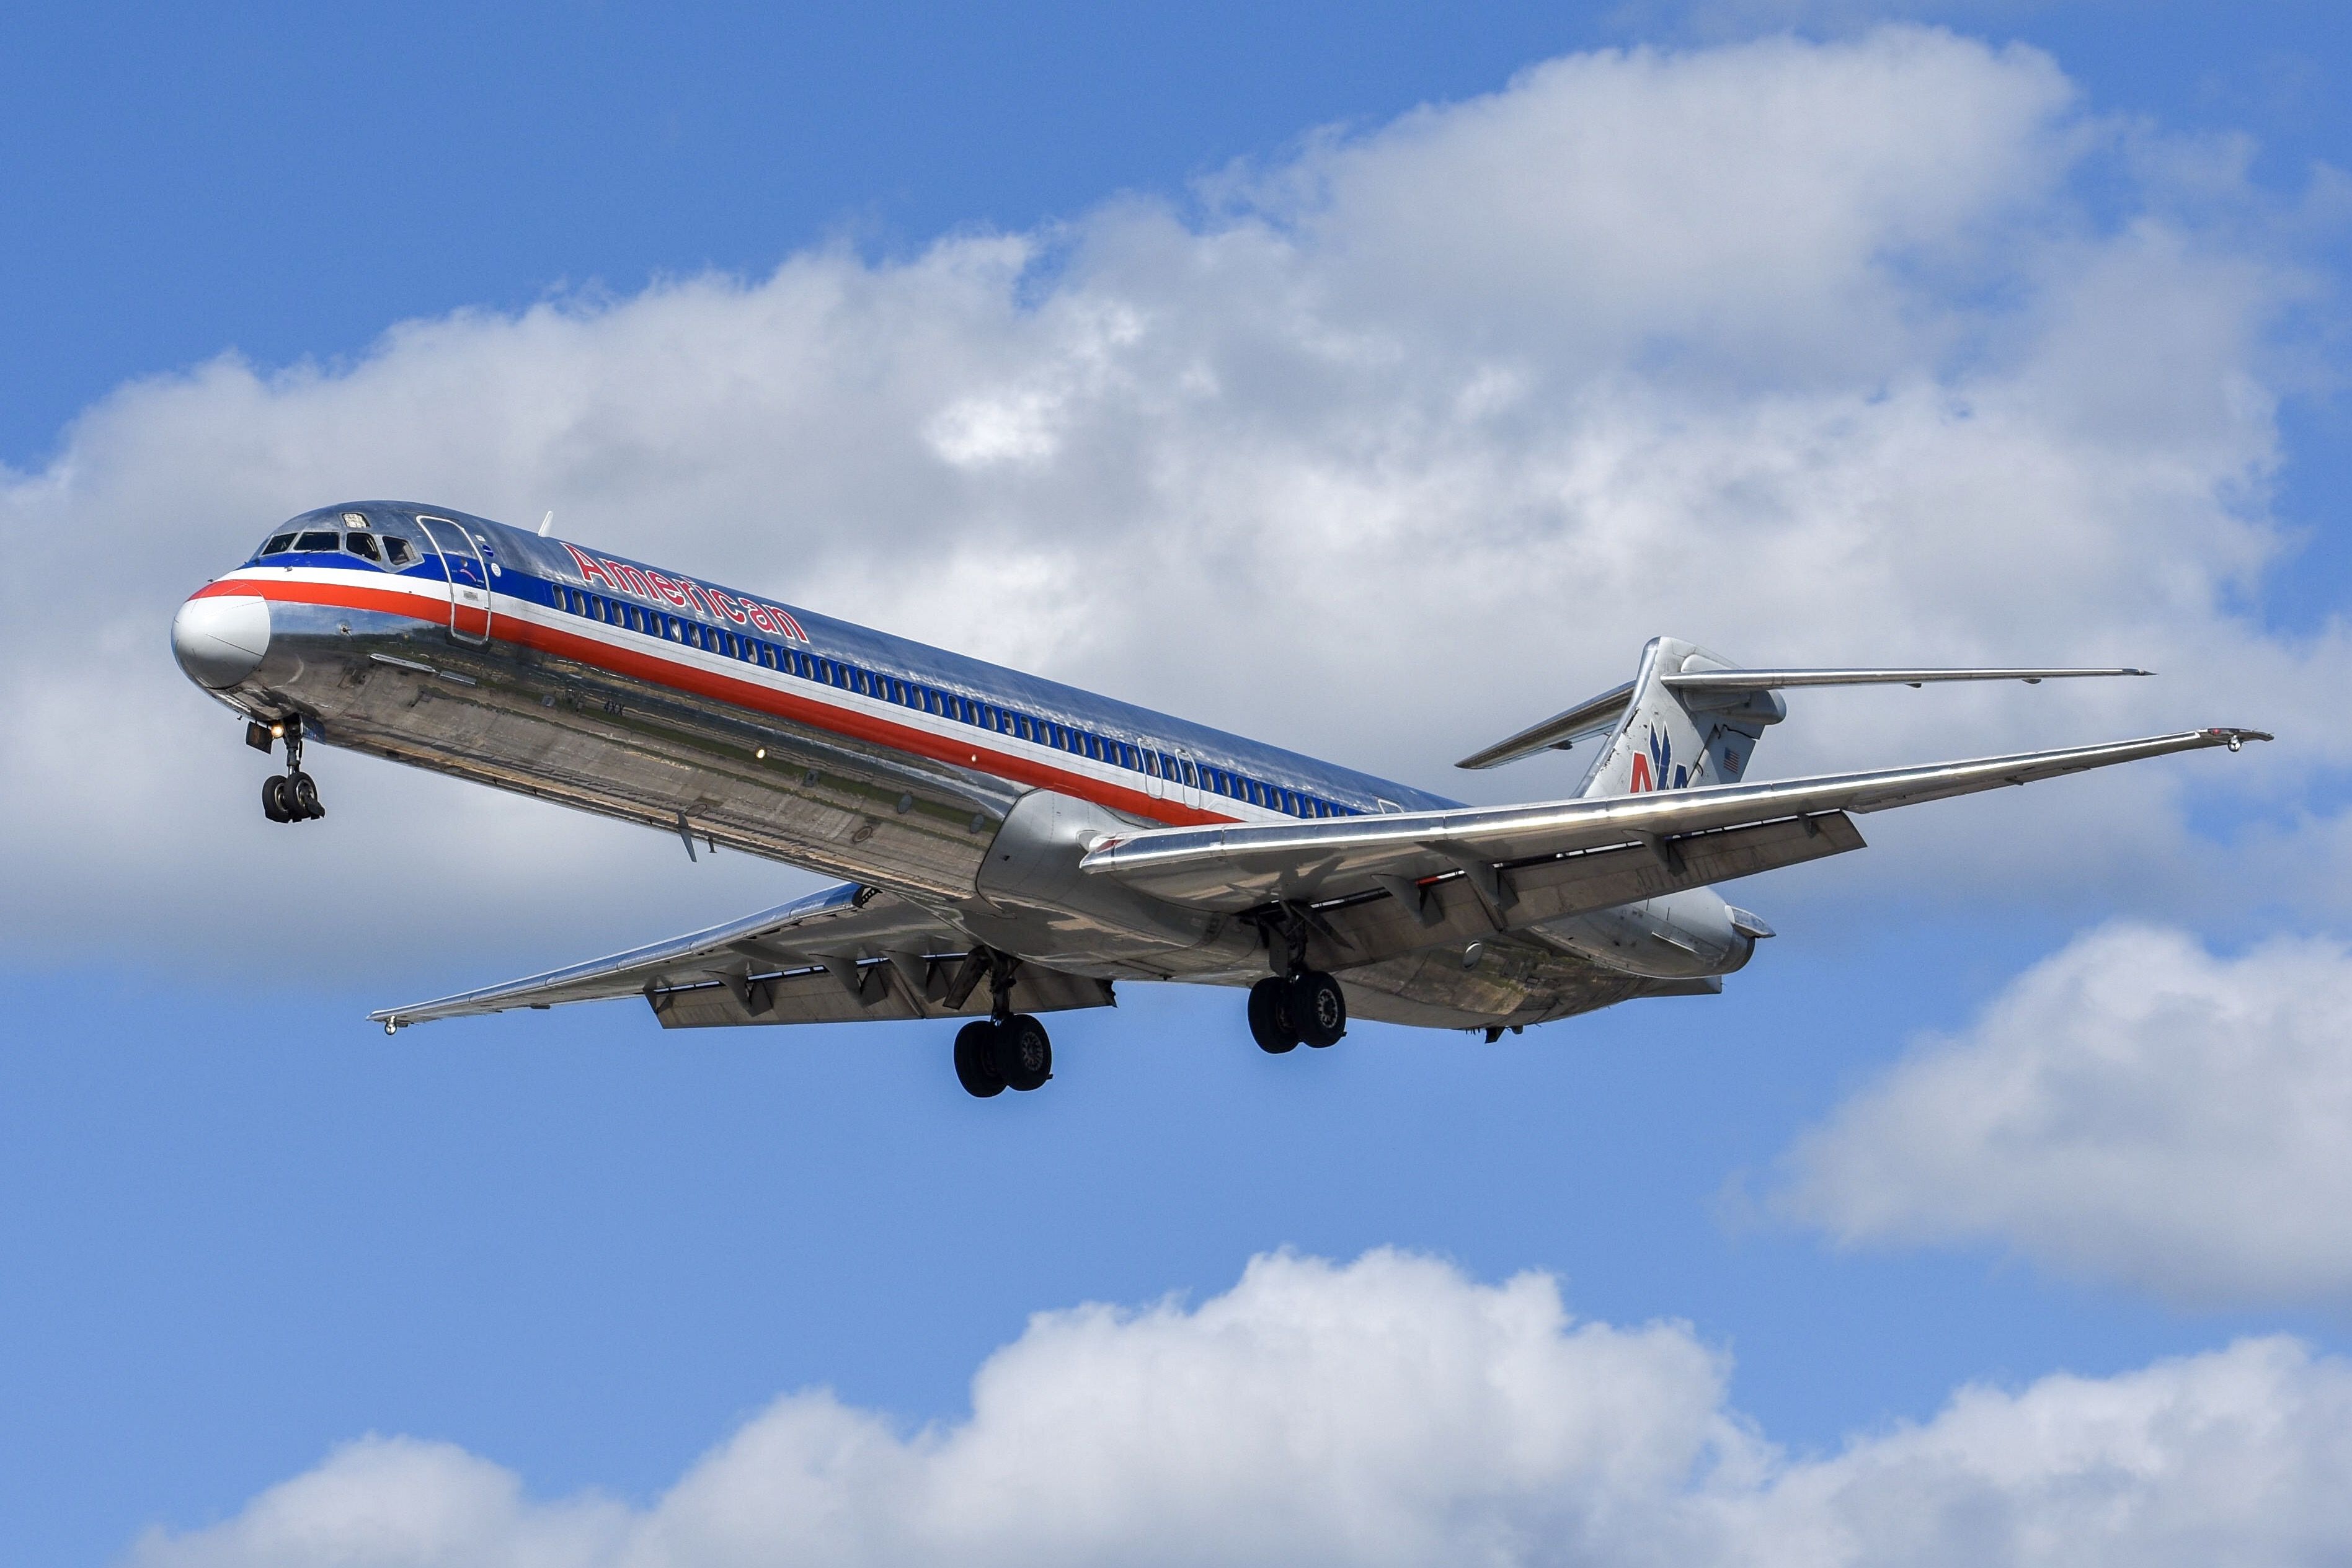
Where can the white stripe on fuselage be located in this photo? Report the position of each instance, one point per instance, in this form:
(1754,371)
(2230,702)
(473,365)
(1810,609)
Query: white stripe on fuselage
(432,596)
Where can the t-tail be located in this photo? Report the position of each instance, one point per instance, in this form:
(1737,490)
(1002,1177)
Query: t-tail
(1689,717)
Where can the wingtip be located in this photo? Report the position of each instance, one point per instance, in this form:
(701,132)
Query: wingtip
(2233,737)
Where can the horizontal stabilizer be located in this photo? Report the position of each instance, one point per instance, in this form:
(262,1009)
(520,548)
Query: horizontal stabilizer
(1779,680)
(1558,732)
(1600,715)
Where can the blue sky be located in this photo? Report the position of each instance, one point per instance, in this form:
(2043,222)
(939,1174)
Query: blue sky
(241,1229)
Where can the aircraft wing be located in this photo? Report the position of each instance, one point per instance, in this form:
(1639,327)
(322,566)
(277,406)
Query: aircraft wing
(1533,863)
(846,954)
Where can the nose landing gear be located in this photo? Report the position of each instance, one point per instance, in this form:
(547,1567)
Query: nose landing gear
(291,796)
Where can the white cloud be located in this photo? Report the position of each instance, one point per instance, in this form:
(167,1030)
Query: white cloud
(1388,1412)
(2134,1109)
(1810,352)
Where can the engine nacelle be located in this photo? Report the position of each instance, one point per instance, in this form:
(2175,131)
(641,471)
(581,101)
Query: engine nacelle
(1677,937)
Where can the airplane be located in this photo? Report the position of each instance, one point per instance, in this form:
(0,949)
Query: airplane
(1012,846)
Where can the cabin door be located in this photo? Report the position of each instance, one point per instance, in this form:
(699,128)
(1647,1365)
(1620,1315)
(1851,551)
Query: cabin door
(1186,785)
(470,580)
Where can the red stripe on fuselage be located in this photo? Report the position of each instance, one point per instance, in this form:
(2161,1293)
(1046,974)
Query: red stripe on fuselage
(679,676)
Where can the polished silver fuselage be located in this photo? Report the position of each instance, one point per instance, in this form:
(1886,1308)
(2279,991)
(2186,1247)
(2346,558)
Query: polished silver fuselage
(713,744)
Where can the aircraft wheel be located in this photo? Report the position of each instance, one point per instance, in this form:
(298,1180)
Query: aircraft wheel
(302,797)
(1318,1008)
(274,802)
(1269,1019)
(974,1068)
(1025,1055)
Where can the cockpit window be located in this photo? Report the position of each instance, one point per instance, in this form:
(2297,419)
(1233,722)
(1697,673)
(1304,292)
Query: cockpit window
(280,542)
(321,540)
(362,545)
(396,551)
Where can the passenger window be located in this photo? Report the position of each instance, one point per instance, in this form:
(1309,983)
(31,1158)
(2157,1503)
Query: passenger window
(324,539)
(362,545)
(276,545)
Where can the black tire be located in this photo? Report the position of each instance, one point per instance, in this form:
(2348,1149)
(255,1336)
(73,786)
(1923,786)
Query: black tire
(1024,1053)
(274,804)
(1269,1019)
(1318,1008)
(973,1069)
(302,798)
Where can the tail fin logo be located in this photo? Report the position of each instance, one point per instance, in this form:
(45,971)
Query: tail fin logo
(1651,765)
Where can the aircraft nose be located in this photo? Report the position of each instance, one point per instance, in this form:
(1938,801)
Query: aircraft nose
(220,639)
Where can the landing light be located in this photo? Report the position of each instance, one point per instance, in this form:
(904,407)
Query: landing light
(761,754)
(277,732)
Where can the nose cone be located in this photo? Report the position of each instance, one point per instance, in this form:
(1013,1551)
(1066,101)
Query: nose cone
(221,640)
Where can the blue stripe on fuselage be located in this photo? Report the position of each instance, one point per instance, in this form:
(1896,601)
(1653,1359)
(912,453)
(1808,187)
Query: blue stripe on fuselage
(532,569)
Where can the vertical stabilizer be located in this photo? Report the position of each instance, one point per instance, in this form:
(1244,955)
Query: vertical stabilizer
(1675,740)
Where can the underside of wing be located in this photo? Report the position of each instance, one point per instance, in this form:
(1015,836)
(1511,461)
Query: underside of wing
(844,954)
(1503,854)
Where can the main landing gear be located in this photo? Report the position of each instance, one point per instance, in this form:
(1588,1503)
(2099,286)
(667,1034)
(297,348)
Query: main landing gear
(1006,1049)
(1287,1011)
(992,1055)
(291,796)
(1296,1005)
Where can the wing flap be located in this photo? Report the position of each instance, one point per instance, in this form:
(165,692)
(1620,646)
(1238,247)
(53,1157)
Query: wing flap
(1233,869)
(1453,909)
(842,954)
(882,990)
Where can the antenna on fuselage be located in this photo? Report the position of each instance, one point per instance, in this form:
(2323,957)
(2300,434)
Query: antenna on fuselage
(546,525)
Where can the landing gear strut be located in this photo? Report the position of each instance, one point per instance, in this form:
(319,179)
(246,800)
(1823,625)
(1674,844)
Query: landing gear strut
(1295,1005)
(1006,1049)
(291,796)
